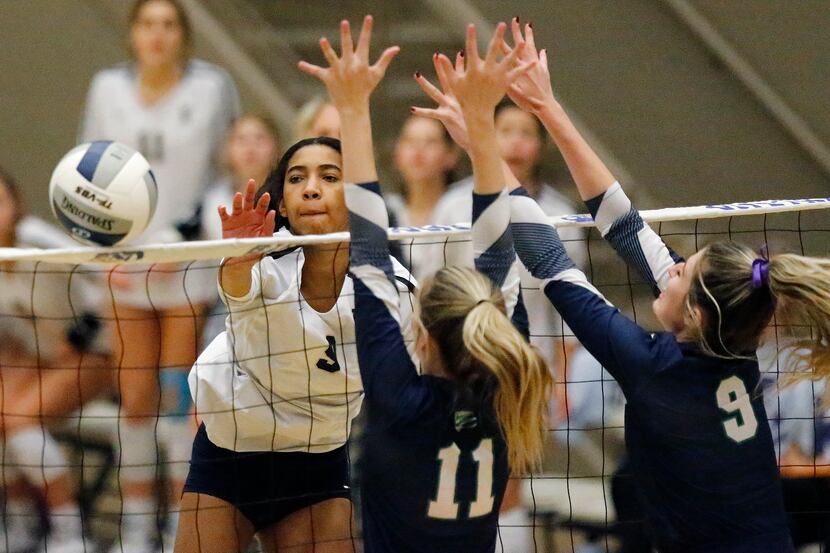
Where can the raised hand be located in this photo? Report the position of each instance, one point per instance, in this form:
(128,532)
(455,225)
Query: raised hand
(482,83)
(349,78)
(249,219)
(448,111)
(532,90)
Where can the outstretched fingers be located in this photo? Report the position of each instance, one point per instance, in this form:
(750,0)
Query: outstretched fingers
(223,213)
(429,89)
(426,112)
(262,204)
(531,42)
(495,42)
(443,64)
(521,69)
(248,197)
(311,69)
(512,58)
(346,44)
(269,223)
(365,38)
(328,52)
(543,60)
(516,31)
(471,44)
(385,59)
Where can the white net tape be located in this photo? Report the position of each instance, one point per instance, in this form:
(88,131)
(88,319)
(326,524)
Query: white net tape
(216,249)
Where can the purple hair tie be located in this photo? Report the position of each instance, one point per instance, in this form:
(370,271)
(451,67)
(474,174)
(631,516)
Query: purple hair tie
(760,272)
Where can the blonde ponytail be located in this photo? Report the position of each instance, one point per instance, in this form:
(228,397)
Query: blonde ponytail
(801,286)
(464,313)
(524,382)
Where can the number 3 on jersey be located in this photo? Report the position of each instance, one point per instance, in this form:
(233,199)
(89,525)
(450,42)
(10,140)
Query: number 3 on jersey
(732,398)
(444,505)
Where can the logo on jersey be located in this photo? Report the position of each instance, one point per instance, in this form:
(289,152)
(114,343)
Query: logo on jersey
(330,364)
(465,420)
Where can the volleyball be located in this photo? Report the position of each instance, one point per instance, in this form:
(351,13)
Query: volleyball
(103,193)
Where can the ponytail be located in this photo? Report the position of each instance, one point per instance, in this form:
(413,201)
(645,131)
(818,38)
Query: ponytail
(524,382)
(801,286)
(464,313)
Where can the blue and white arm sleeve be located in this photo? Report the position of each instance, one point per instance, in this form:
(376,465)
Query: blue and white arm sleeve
(390,380)
(537,242)
(642,248)
(621,346)
(493,244)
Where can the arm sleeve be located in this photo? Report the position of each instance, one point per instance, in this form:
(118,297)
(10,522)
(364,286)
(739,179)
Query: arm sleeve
(619,344)
(494,254)
(641,248)
(393,389)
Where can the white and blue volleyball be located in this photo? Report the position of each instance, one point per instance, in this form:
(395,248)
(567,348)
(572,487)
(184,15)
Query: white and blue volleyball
(103,193)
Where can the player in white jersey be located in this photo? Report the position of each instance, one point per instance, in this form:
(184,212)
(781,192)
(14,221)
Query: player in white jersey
(317,117)
(251,152)
(425,156)
(175,111)
(53,359)
(277,391)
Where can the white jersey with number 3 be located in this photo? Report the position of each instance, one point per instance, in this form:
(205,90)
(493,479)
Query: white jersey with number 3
(283,376)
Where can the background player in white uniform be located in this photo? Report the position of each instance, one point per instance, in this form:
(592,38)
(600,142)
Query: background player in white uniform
(281,386)
(425,156)
(251,152)
(252,149)
(53,360)
(176,112)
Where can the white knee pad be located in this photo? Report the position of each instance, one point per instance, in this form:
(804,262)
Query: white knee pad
(137,447)
(36,455)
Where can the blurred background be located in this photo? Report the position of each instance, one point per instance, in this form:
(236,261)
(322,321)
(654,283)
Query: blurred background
(695,101)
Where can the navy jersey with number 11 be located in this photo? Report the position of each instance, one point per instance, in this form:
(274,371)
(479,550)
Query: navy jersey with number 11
(434,460)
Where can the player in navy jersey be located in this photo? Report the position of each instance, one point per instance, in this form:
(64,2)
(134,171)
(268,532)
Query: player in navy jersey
(696,431)
(438,447)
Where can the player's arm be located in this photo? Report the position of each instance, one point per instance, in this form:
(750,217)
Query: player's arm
(479,84)
(616,219)
(390,381)
(619,344)
(471,90)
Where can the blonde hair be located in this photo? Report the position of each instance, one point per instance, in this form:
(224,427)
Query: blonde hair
(736,312)
(307,115)
(802,286)
(464,312)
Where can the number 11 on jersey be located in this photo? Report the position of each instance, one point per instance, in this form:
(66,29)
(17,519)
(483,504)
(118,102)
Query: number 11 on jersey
(444,505)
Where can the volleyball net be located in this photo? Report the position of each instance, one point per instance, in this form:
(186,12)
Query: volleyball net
(99,341)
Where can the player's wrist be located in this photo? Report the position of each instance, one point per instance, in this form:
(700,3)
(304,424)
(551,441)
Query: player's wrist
(353,108)
(550,113)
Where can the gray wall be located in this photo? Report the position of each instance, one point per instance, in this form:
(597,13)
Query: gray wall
(50,50)
(684,127)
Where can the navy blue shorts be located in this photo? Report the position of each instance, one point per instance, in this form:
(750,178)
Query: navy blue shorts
(266,486)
